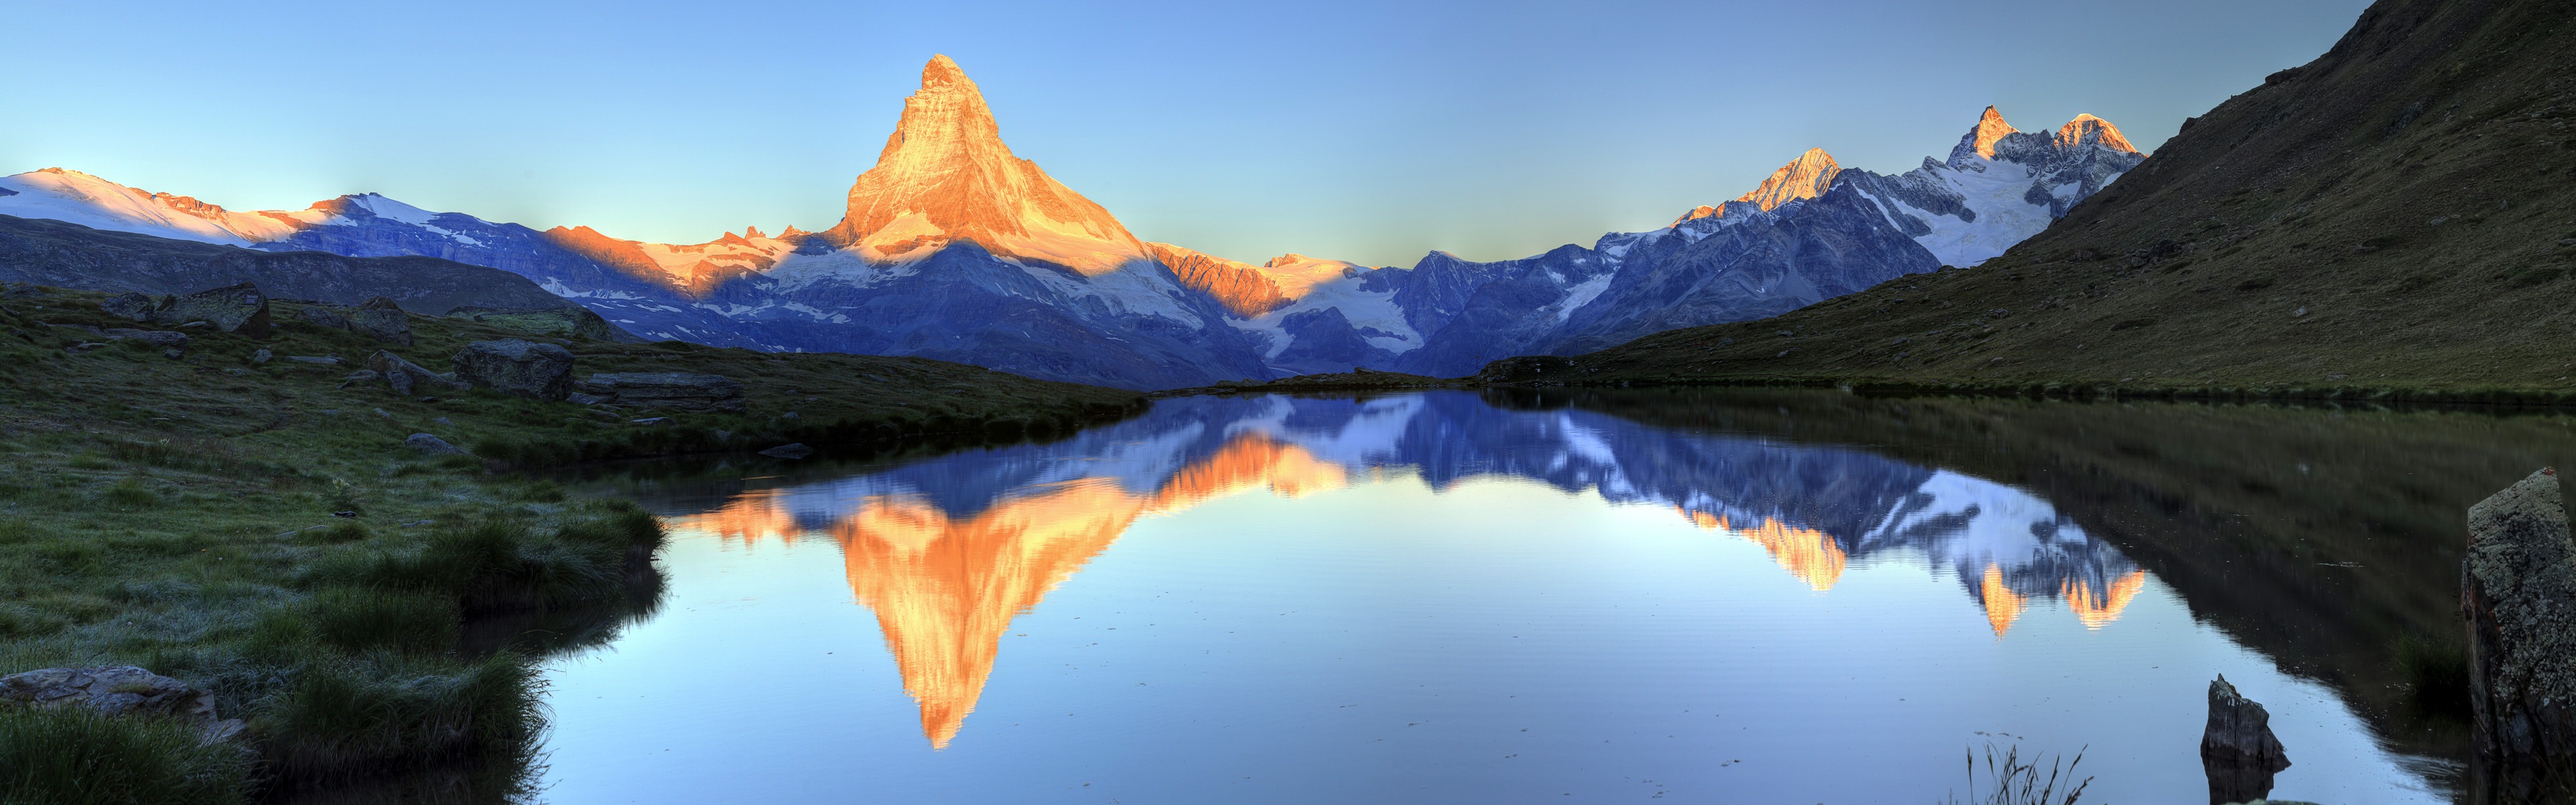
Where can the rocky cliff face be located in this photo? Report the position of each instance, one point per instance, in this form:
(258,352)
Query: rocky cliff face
(946,176)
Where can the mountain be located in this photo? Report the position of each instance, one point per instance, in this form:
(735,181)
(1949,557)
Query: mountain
(61,254)
(952,247)
(947,551)
(2398,214)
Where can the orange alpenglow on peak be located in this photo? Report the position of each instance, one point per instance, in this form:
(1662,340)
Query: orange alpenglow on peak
(1808,554)
(946,176)
(1991,128)
(1808,176)
(2089,128)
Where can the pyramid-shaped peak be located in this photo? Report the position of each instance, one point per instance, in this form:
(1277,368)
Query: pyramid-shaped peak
(1980,141)
(1808,176)
(945,176)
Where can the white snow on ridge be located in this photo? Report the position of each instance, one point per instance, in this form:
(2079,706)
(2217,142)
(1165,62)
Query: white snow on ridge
(75,197)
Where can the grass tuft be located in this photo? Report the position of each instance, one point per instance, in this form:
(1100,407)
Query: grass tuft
(2013,781)
(74,756)
(2436,673)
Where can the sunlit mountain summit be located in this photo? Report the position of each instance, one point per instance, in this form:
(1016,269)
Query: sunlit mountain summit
(948,551)
(953,247)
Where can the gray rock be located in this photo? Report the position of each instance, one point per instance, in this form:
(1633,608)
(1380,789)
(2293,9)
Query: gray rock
(379,318)
(415,375)
(118,691)
(173,354)
(651,420)
(400,382)
(326,360)
(362,376)
(517,368)
(789,450)
(432,445)
(20,290)
(237,308)
(2518,592)
(323,317)
(159,338)
(261,356)
(584,399)
(2238,750)
(674,391)
(130,306)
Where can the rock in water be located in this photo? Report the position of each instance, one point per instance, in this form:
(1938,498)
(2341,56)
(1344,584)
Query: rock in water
(2238,750)
(233,309)
(789,450)
(130,306)
(379,318)
(432,445)
(323,317)
(517,368)
(2517,587)
(672,391)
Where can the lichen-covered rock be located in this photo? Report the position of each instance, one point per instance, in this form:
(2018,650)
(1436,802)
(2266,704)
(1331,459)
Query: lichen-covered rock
(2237,749)
(432,445)
(517,368)
(2518,592)
(412,375)
(379,318)
(129,306)
(321,316)
(237,308)
(121,690)
(670,391)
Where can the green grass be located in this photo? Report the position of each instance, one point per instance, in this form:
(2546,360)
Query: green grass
(73,756)
(259,530)
(2013,781)
(2436,674)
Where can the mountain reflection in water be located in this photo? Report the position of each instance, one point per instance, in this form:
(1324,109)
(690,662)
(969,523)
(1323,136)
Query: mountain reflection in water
(946,552)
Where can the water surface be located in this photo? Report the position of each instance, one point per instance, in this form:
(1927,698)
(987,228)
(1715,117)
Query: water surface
(1697,597)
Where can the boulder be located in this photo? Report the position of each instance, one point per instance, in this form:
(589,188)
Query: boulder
(379,318)
(129,306)
(2237,749)
(412,374)
(326,360)
(118,691)
(2518,593)
(233,309)
(261,356)
(669,391)
(517,368)
(323,317)
(432,445)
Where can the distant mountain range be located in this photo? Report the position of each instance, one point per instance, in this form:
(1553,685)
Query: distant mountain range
(953,248)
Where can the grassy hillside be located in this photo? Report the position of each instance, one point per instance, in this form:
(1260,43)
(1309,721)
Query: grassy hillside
(2398,214)
(259,529)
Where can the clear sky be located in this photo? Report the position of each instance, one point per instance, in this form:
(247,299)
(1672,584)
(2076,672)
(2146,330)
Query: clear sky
(1366,131)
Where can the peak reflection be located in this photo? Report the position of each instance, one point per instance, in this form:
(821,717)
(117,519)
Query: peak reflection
(946,552)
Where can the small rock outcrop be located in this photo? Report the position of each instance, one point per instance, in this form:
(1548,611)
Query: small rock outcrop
(237,308)
(404,375)
(164,339)
(2518,593)
(379,318)
(129,306)
(517,368)
(2237,749)
(321,316)
(669,391)
(118,691)
(432,445)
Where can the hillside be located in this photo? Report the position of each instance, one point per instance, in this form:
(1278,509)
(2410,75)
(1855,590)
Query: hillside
(2398,214)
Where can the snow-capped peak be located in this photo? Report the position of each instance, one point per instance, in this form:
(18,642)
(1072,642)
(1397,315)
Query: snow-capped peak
(945,175)
(1808,176)
(2090,130)
(1980,141)
(80,198)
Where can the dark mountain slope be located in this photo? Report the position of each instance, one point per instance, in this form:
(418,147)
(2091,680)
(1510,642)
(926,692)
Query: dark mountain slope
(2400,212)
(73,256)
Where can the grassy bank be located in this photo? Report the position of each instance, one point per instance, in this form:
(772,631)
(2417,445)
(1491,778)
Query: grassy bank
(259,530)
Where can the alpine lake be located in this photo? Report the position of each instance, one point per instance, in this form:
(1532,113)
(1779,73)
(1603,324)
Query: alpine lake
(1554,596)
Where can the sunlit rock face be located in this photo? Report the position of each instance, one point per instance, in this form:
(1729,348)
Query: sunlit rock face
(945,175)
(947,551)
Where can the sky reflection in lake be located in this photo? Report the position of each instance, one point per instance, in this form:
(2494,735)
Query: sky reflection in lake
(1414,598)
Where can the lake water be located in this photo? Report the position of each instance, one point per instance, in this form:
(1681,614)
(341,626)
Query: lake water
(1450,597)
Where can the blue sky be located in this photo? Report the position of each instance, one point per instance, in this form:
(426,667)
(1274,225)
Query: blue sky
(1366,131)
